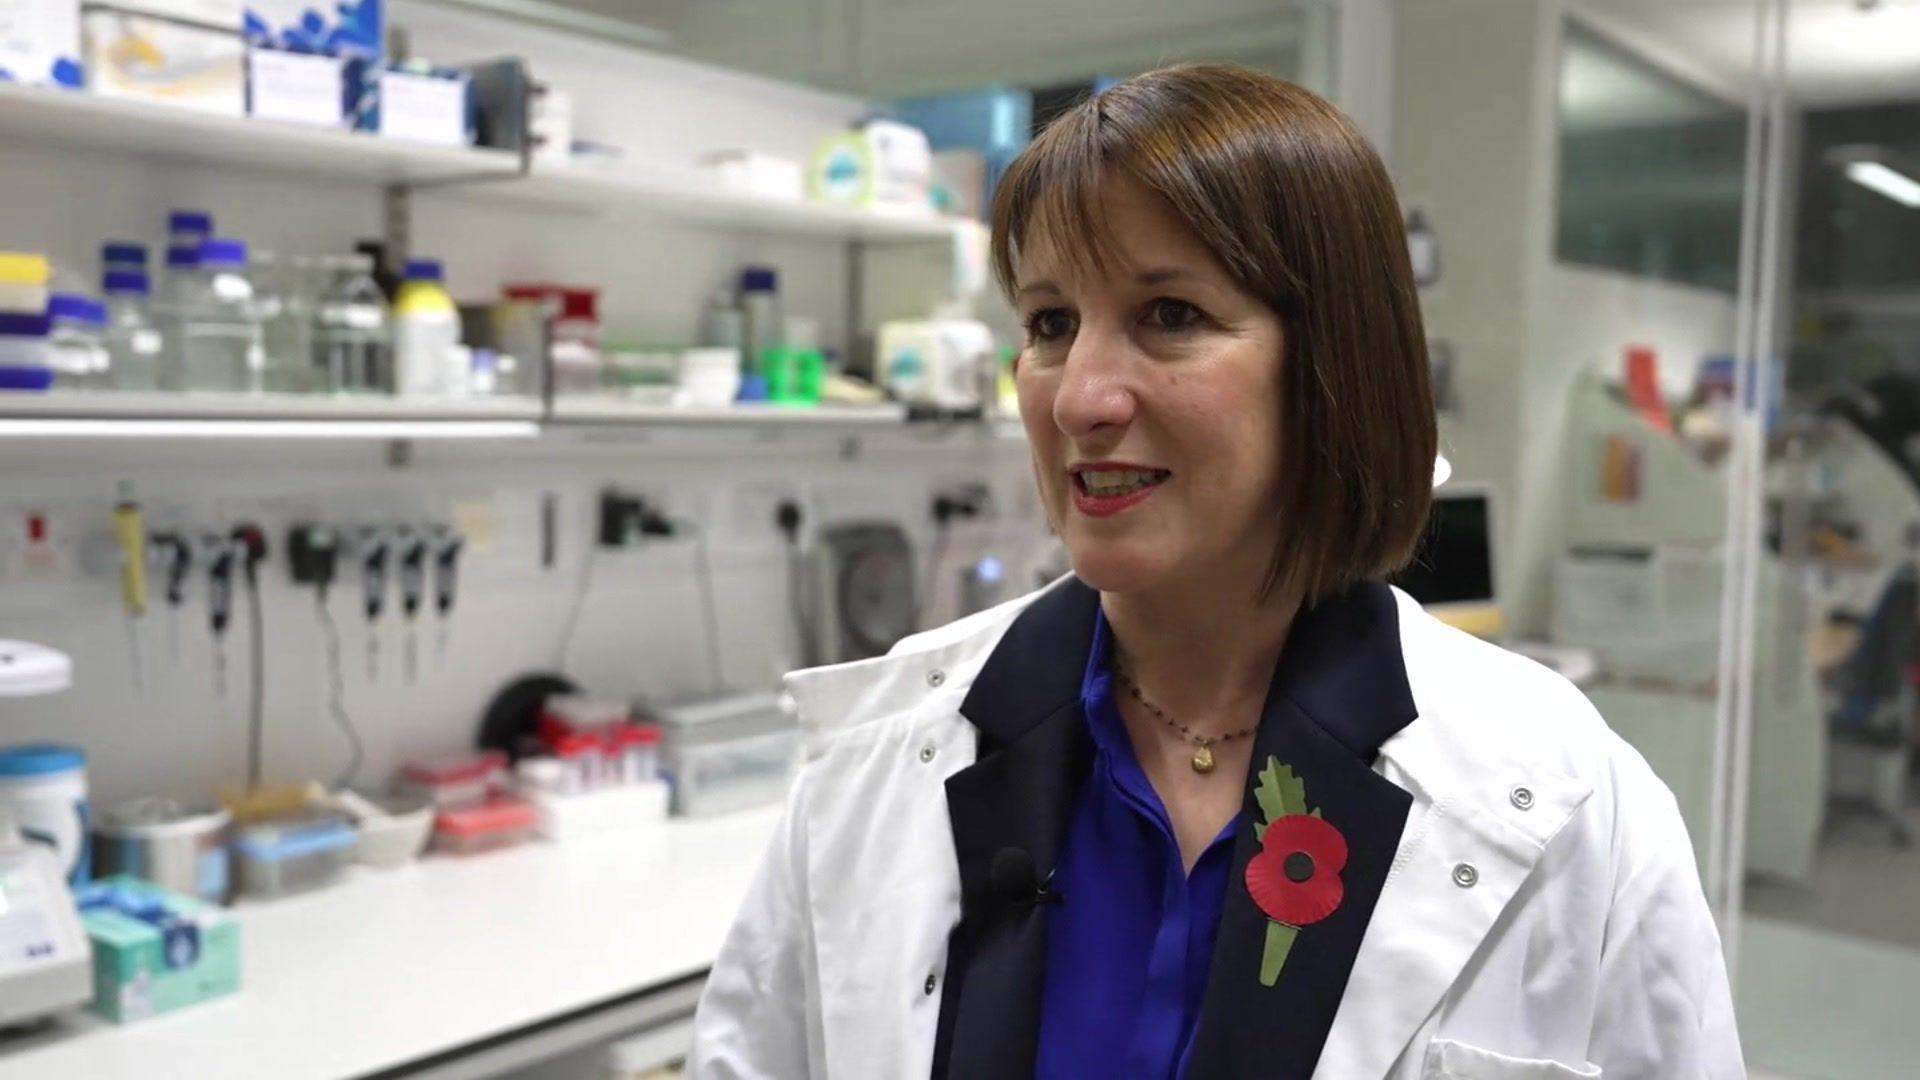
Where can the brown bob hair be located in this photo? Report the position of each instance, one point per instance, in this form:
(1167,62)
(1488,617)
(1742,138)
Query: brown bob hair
(1288,195)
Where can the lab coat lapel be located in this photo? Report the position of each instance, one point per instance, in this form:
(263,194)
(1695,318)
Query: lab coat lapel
(1034,751)
(1339,691)
(1469,851)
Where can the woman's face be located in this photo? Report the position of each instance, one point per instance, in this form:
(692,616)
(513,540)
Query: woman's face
(1150,391)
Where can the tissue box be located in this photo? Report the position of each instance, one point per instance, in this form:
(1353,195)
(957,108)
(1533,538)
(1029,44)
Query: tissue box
(296,88)
(184,52)
(155,951)
(429,107)
(40,42)
(348,28)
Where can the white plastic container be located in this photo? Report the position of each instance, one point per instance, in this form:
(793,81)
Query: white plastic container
(729,753)
(709,378)
(622,808)
(43,789)
(426,333)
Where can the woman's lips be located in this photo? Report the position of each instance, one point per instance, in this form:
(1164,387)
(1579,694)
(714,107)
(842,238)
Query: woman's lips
(1107,505)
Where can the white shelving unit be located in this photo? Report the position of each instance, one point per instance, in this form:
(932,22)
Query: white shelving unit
(602,412)
(77,119)
(691,195)
(112,414)
(141,405)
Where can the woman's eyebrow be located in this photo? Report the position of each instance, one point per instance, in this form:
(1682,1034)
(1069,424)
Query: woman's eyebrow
(1044,287)
(1160,275)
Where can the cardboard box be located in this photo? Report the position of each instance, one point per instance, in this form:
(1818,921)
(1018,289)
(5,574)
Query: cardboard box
(296,88)
(155,951)
(345,28)
(40,42)
(182,52)
(400,104)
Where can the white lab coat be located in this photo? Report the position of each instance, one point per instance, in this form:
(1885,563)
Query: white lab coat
(1581,948)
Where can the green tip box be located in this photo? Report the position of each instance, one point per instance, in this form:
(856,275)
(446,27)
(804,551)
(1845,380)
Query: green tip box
(155,951)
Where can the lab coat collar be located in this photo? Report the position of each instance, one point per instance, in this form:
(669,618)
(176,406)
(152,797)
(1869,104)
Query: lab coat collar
(1034,750)
(1488,813)
(1338,692)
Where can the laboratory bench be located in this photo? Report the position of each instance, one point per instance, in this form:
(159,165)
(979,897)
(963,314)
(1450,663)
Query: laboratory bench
(453,966)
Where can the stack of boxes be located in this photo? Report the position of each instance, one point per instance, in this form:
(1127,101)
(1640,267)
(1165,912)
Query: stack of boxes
(292,61)
(26,359)
(40,43)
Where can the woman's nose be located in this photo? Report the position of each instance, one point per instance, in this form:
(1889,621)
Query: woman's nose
(1093,391)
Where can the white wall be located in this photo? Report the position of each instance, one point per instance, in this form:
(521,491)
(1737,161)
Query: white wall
(908,47)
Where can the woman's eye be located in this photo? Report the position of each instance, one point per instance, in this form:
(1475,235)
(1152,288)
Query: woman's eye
(1049,324)
(1174,315)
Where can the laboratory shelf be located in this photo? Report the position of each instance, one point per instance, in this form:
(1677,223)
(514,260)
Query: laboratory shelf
(598,412)
(159,405)
(695,196)
(78,119)
(161,132)
(453,966)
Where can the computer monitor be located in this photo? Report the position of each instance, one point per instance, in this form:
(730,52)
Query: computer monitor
(1453,574)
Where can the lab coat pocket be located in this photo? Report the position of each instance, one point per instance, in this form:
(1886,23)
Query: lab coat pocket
(1450,1060)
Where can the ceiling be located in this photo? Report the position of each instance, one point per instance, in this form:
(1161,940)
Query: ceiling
(1839,52)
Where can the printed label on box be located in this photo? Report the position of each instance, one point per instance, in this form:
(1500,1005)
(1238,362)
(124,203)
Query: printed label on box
(294,88)
(424,109)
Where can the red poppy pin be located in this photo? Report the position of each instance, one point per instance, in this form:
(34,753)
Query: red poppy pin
(1295,876)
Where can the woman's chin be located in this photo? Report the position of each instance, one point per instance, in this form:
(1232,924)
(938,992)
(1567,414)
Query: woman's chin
(1112,568)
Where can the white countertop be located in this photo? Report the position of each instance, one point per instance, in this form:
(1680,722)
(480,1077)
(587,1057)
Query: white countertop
(390,966)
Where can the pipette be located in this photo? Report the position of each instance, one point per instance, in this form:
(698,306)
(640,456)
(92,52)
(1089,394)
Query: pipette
(446,566)
(413,587)
(373,549)
(131,533)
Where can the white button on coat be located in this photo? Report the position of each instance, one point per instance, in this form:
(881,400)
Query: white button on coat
(860,887)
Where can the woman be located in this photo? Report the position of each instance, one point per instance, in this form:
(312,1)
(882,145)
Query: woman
(1221,803)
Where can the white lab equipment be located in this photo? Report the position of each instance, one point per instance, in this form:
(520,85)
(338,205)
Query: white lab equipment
(934,362)
(43,791)
(45,961)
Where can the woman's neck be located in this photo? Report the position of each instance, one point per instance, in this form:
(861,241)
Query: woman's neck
(1197,653)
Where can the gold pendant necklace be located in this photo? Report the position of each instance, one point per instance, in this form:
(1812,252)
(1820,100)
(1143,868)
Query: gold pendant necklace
(1202,760)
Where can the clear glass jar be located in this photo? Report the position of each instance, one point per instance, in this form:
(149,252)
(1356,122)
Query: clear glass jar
(133,340)
(352,328)
(219,321)
(76,350)
(284,298)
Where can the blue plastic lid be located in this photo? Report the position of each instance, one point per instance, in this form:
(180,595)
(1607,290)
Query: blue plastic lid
(126,283)
(41,759)
(223,252)
(759,279)
(752,388)
(424,270)
(190,221)
(32,324)
(69,307)
(120,251)
(182,257)
(35,379)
